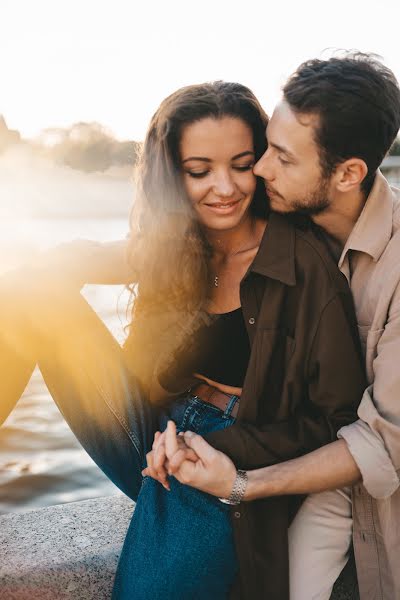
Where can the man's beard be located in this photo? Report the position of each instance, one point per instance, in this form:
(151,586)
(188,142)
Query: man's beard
(315,203)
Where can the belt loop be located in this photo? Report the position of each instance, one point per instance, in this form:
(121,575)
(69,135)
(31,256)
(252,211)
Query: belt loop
(232,401)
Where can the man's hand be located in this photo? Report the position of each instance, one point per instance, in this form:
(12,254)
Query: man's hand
(213,472)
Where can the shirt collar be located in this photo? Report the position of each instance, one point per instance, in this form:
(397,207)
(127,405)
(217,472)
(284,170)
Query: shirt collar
(275,257)
(373,229)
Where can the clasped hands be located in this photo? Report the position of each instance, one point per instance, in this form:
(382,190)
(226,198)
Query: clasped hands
(191,460)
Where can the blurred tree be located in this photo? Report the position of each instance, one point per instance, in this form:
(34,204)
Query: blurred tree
(395,149)
(88,147)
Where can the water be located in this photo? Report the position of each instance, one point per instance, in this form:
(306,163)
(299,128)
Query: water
(41,463)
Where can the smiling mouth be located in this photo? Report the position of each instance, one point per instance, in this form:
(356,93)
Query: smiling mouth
(223,205)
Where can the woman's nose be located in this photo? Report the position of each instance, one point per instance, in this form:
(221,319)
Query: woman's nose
(224,186)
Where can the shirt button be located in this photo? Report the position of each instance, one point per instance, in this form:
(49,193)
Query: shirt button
(237,515)
(252,320)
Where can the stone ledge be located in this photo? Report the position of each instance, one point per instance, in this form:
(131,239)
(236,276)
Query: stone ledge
(70,552)
(65,552)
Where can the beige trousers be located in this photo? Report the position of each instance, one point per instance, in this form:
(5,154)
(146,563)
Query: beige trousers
(319,541)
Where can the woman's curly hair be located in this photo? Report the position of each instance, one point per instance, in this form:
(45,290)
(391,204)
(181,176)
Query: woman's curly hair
(168,249)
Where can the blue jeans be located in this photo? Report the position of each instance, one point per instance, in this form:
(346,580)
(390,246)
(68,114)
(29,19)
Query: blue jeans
(179,544)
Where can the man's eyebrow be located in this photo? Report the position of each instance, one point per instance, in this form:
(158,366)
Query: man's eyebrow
(281,149)
(208,160)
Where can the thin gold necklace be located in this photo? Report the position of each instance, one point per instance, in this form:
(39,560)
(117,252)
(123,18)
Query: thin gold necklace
(216,277)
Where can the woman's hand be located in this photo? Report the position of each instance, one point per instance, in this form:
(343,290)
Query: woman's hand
(157,462)
(156,459)
(213,472)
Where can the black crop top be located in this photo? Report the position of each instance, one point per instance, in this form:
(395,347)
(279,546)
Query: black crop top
(219,350)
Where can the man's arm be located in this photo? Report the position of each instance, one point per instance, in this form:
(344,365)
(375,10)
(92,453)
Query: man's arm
(374,439)
(329,467)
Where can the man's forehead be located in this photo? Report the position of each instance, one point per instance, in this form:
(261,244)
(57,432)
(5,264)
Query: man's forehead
(290,128)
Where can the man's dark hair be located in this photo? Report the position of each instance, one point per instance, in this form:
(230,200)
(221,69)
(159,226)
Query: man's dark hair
(357,100)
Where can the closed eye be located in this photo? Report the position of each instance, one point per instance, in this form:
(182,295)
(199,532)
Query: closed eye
(197,174)
(243,168)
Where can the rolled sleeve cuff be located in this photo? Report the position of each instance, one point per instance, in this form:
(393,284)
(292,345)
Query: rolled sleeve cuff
(378,473)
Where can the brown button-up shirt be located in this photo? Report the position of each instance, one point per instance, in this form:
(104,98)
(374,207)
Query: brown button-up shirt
(371,262)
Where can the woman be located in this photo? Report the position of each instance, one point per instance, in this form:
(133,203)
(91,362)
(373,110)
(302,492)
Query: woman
(226,308)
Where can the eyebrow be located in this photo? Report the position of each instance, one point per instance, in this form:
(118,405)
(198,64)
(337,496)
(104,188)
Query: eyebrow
(208,160)
(281,149)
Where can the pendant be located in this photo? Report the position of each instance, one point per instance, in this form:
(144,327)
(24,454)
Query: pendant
(216,281)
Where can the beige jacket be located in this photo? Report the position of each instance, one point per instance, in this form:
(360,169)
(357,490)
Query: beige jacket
(371,263)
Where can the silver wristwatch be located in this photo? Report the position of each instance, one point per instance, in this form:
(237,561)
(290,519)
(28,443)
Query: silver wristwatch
(238,490)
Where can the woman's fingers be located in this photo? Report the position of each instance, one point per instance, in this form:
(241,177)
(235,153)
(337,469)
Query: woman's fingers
(159,460)
(149,471)
(171,443)
(176,449)
(154,458)
(160,467)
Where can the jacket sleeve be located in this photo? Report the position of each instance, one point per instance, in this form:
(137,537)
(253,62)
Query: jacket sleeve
(43,296)
(334,385)
(74,264)
(374,439)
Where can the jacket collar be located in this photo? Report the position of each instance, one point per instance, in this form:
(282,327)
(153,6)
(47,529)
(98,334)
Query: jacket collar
(373,229)
(275,257)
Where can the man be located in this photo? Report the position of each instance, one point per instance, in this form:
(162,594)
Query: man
(326,140)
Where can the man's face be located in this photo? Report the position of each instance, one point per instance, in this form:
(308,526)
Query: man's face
(290,167)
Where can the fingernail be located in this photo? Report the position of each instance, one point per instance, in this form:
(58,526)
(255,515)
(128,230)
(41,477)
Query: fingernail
(189,434)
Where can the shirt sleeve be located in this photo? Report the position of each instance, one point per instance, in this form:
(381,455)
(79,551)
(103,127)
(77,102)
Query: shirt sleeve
(374,439)
(335,382)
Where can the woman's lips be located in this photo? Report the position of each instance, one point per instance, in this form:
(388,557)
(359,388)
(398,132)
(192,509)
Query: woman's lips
(223,207)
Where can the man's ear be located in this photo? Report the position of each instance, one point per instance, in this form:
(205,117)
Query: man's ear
(350,174)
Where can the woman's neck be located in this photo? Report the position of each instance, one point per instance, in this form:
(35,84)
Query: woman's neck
(233,241)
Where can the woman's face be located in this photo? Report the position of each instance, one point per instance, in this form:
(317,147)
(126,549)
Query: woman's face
(217,158)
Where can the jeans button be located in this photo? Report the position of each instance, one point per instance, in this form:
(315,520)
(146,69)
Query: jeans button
(252,320)
(237,515)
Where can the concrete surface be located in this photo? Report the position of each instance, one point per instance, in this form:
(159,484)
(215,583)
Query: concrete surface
(70,552)
(65,552)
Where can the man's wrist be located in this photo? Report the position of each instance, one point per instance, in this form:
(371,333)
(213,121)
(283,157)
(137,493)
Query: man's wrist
(238,489)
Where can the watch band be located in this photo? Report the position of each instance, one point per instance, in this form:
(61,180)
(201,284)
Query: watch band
(238,490)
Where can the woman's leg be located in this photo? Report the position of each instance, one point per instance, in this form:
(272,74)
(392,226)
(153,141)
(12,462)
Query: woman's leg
(319,542)
(86,373)
(180,543)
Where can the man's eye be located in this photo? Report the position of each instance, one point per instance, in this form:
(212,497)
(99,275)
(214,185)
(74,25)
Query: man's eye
(283,161)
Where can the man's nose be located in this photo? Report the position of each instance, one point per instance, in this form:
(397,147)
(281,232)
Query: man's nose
(263,167)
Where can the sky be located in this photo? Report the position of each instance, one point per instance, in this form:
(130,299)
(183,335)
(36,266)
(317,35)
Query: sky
(113,61)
